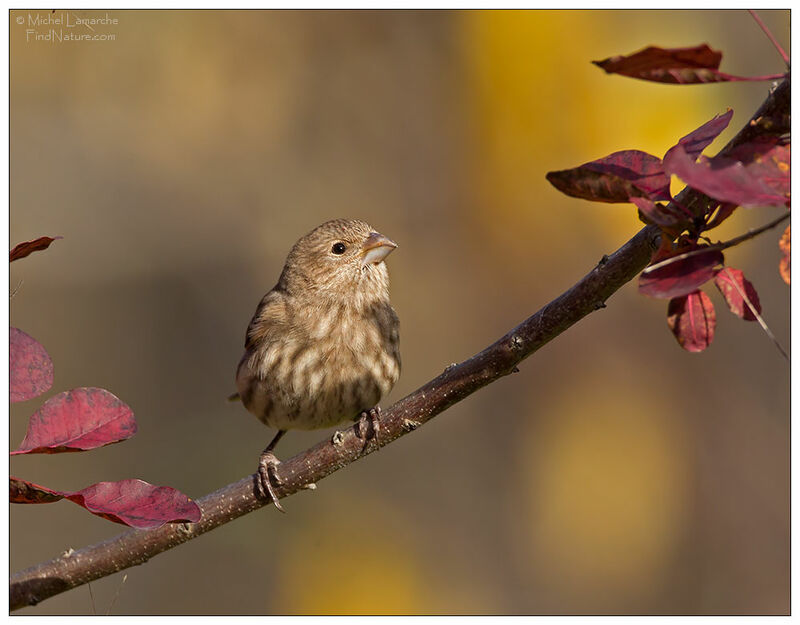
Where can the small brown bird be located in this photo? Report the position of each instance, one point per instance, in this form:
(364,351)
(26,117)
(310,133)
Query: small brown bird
(323,345)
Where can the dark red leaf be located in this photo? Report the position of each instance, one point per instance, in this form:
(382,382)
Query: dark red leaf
(30,367)
(615,178)
(723,179)
(785,245)
(692,320)
(655,58)
(660,215)
(22,491)
(21,250)
(698,140)
(680,274)
(130,502)
(699,64)
(734,288)
(136,503)
(76,420)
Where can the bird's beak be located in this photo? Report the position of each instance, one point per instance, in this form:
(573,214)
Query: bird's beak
(376,248)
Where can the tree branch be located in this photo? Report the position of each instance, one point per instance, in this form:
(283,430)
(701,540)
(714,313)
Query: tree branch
(72,569)
(454,384)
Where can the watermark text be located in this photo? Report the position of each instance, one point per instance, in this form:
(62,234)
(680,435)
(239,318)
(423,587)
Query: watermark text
(66,26)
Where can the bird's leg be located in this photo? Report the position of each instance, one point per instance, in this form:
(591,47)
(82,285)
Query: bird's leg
(266,471)
(373,416)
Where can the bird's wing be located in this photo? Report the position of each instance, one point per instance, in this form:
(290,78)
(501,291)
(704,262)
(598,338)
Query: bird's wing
(269,319)
(266,326)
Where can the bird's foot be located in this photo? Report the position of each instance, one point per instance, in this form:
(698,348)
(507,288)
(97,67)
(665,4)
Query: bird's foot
(267,473)
(373,418)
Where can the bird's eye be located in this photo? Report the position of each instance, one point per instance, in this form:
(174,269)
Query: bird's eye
(338,248)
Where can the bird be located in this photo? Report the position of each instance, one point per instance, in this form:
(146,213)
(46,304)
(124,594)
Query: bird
(323,346)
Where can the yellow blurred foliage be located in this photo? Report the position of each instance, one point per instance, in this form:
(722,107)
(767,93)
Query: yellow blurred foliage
(338,566)
(533,112)
(606,491)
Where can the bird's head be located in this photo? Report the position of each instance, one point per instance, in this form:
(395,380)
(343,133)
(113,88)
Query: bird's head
(343,258)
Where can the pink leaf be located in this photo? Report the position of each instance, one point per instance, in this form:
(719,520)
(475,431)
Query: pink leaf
(22,491)
(615,178)
(680,274)
(136,503)
(682,66)
(698,140)
(130,502)
(692,320)
(723,179)
(76,420)
(769,162)
(30,367)
(733,285)
(21,250)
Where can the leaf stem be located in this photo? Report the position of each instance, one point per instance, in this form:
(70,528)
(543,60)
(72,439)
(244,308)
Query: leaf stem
(771,37)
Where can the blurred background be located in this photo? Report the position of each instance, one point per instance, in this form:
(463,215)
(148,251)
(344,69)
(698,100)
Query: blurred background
(180,161)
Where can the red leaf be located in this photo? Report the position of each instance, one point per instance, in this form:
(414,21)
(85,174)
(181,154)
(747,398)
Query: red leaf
(136,503)
(662,216)
(723,179)
(785,245)
(698,140)
(673,65)
(30,367)
(655,58)
(21,250)
(680,274)
(130,502)
(732,284)
(76,420)
(22,491)
(769,162)
(692,320)
(615,178)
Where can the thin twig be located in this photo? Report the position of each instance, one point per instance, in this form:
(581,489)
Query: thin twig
(758,317)
(116,594)
(719,246)
(91,597)
(769,34)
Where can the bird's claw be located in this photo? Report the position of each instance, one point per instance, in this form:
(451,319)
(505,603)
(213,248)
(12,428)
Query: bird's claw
(266,475)
(373,417)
